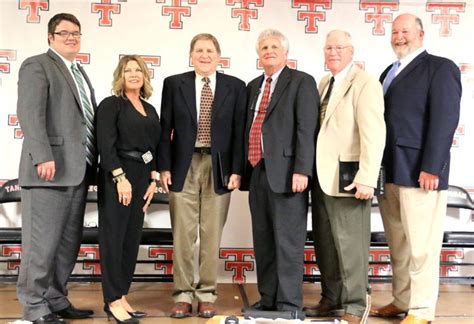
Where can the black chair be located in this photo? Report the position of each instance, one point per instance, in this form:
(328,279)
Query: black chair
(11,192)
(457,198)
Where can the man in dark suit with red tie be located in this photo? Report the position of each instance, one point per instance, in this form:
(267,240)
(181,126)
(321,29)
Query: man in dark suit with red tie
(203,121)
(280,131)
(422,95)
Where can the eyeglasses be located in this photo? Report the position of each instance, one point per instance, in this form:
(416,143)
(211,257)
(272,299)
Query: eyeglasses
(66,34)
(338,48)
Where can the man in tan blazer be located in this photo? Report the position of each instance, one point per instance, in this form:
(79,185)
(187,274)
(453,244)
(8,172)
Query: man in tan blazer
(352,129)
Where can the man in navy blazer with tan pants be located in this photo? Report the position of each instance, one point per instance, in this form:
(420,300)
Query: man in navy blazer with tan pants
(202,119)
(422,95)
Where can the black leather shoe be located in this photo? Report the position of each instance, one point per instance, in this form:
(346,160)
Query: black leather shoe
(137,314)
(49,318)
(71,312)
(259,307)
(323,309)
(109,313)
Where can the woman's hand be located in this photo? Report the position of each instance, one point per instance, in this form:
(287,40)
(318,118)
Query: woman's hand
(124,190)
(150,191)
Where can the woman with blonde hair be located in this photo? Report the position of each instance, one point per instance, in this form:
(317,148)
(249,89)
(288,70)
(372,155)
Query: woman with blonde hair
(128,132)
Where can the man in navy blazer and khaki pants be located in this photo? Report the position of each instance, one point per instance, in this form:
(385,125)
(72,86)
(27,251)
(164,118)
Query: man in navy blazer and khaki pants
(422,103)
(56,110)
(202,118)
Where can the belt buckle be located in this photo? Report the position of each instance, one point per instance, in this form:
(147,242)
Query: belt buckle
(147,157)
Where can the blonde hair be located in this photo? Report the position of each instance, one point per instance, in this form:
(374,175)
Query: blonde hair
(117,84)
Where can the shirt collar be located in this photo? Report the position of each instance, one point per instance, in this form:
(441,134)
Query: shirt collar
(410,57)
(275,75)
(211,77)
(65,60)
(343,73)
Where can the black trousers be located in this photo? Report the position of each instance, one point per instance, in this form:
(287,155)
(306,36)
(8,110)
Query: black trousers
(279,235)
(120,229)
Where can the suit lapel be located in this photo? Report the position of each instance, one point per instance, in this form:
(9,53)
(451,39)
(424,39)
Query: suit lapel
(323,85)
(222,89)
(254,88)
(339,92)
(384,73)
(67,75)
(406,71)
(188,91)
(283,81)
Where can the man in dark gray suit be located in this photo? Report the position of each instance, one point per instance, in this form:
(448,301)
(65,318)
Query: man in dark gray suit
(281,126)
(56,110)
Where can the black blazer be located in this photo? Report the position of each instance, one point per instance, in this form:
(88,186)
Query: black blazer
(421,112)
(289,128)
(179,126)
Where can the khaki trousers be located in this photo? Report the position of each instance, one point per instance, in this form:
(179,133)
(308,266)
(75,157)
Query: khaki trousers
(413,222)
(197,208)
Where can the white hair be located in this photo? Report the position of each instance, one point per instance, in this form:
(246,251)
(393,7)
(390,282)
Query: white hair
(269,33)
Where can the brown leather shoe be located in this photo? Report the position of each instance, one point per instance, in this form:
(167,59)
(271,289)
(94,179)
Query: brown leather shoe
(411,319)
(206,309)
(181,310)
(389,310)
(349,318)
(322,309)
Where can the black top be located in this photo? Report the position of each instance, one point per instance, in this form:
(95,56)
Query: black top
(120,127)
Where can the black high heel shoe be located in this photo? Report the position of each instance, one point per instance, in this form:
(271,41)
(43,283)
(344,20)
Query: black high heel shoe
(137,314)
(109,313)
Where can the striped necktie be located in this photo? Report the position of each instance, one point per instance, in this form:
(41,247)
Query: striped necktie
(324,104)
(88,115)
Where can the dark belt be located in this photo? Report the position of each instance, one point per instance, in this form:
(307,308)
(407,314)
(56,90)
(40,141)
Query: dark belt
(134,155)
(202,150)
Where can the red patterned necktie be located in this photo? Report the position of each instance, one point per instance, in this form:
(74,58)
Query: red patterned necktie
(255,138)
(205,114)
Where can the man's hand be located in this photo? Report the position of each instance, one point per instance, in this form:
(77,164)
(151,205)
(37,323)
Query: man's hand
(46,170)
(428,181)
(300,182)
(362,192)
(165,180)
(234,182)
